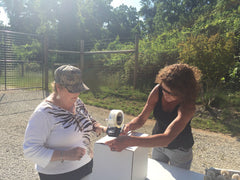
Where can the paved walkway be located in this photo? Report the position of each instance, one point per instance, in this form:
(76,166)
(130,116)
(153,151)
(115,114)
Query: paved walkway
(210,149)
(15,110)
(19,101)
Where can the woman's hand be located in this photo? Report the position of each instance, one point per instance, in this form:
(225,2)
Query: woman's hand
(73,154)
(126,129)
(118,144)
(99,129)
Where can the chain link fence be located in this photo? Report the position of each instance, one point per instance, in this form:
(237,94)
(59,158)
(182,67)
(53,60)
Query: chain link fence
(21,62)
(27,61)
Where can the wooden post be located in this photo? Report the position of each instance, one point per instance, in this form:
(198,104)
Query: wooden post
(82,55)
(5,60)
(136,62)
(45,64)
(22,67)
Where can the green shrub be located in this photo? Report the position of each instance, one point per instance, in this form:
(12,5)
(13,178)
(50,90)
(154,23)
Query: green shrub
(32,67)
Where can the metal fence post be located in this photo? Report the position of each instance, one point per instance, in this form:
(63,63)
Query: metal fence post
(5,61)
(136,62)
(45,64)
(82,55)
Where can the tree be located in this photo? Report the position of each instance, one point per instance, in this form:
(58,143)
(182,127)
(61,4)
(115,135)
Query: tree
(15,11)
(179,14)
(148,12)
(31,16)
(82,20)
(67,26)
(124,23)
(213,56)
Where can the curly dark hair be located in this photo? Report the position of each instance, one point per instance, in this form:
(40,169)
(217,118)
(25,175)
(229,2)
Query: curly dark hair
(182,79)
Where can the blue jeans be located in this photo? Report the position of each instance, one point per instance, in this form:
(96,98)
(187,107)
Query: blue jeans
(181,158)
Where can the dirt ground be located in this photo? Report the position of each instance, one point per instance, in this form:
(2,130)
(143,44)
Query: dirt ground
(210,149)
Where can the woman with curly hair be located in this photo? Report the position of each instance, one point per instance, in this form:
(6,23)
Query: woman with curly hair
(172,102)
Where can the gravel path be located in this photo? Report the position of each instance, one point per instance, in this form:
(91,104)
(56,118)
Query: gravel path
(210,149)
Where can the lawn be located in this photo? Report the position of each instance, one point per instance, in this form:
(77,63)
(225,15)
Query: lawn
(224,119)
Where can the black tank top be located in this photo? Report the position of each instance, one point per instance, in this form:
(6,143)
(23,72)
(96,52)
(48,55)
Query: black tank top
(163,119)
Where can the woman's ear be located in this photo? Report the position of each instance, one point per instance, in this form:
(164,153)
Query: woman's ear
(58,87)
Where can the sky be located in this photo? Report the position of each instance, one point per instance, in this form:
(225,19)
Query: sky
(3,16)
(133,3)
(115,3)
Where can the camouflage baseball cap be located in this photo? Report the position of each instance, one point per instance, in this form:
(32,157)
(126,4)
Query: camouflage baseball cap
(70,77)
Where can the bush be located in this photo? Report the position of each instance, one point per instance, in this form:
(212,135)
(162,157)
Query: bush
(32,67)
(212,55)
(232,81)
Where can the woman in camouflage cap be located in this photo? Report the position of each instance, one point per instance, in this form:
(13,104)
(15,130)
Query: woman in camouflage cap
(58,134)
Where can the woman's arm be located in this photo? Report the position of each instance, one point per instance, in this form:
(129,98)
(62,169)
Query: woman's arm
(185,114)
(34,148)
(35,137)
(140,120)
(73,154)
(97,127)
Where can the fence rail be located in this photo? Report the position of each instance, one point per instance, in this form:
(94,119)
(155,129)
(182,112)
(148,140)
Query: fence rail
(91,52)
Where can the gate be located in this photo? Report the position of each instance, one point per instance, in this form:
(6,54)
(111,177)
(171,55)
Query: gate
(21,61)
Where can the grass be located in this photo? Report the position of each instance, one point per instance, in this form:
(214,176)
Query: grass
(17,80)
(25,81)
(224,119)
(125,98)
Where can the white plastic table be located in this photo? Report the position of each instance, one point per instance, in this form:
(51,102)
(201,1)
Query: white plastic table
(163,171)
